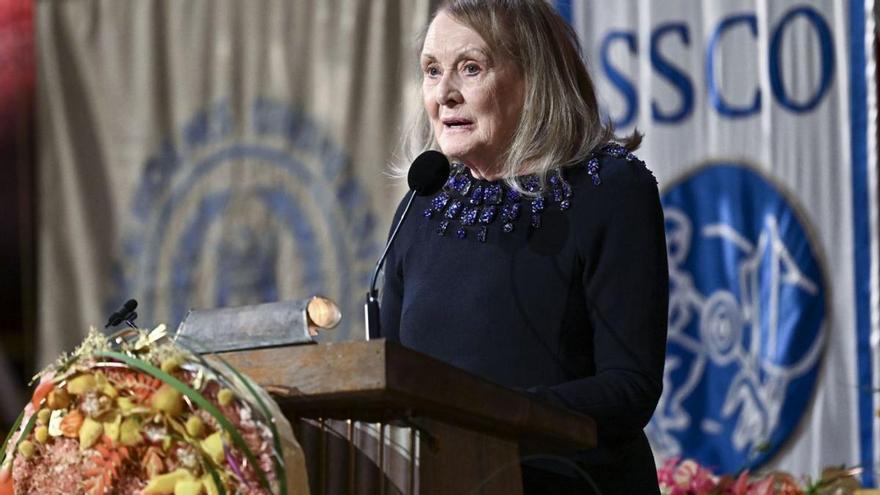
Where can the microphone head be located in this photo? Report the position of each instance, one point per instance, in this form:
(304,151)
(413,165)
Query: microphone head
(118,317)
(428,173)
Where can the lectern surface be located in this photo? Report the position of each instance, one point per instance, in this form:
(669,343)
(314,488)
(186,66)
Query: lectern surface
(384,381)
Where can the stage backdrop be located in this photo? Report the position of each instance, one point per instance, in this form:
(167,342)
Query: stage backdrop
(219,152)
(760,126)
(207,153)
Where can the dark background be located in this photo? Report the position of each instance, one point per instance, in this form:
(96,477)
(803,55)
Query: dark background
(18,216)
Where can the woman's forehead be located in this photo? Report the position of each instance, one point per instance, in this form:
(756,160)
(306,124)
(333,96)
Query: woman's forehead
(452,52)
(447,36)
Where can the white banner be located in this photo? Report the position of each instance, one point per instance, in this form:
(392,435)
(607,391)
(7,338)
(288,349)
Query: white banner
(759,119)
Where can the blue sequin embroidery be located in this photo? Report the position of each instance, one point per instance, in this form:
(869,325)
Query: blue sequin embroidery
(471,202)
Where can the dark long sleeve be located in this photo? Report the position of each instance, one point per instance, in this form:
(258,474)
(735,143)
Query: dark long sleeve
(627,297)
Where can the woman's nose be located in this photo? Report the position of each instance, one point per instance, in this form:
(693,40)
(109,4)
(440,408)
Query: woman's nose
(448,93)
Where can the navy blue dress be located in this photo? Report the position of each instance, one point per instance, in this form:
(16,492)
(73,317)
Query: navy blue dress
(564,297)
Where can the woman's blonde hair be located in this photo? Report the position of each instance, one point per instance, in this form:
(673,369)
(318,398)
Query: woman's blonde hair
(560,123)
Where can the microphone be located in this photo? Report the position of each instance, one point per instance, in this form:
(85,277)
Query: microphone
(427,174)
(123,314)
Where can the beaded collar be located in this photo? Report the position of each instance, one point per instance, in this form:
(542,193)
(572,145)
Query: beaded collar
(471,205)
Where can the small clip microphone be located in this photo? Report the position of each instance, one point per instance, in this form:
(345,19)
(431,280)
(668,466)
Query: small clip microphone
(123,314)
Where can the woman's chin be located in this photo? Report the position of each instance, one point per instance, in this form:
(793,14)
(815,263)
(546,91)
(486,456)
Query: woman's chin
(458,152)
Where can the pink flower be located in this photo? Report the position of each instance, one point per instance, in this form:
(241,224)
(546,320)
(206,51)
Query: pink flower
(666,471)
(690,478)
(762,487)
(741,485)
(685,472)
(687,478)
(703,481)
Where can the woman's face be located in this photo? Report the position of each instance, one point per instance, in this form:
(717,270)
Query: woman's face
(473,100)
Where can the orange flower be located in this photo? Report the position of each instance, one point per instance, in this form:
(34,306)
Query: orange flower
(41,392)
(71,424)
(6,487)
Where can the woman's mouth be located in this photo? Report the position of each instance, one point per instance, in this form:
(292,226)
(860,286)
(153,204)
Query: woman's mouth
(457,124)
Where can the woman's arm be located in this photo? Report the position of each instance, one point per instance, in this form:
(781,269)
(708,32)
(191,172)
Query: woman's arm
(626,286)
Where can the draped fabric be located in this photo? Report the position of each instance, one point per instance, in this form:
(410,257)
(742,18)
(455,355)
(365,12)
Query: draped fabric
(208,153)
(760,124)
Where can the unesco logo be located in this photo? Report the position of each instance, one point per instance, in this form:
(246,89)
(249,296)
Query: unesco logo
(243,209)
(747,318)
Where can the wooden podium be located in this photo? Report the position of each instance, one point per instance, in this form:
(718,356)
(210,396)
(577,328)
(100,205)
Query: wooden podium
(469,434)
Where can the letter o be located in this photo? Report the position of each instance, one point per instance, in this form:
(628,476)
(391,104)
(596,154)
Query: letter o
(826,44)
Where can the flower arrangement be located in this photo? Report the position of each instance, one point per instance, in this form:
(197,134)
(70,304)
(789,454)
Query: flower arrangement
(139,414)
(687,477)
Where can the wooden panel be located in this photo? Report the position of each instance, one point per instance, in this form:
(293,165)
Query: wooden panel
(464,461)
(343,459)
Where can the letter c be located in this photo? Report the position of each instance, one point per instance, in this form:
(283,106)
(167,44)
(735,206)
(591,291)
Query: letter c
(715,98)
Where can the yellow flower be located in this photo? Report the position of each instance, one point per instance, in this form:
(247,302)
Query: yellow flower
(171,364)
(195,427)
(210,486)
(167,400)
(89,433)
(225,397)
(41,434)
(164,484)
(213,446)
(111,428)
(130,432)
(81,384)
(58,399)
(26,449)
(43,416)
(104,386)
(188,487)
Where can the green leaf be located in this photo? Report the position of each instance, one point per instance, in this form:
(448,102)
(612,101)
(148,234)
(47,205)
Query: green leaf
(24,433)
(216,477)
(198,399)
(279,457)
(11,432)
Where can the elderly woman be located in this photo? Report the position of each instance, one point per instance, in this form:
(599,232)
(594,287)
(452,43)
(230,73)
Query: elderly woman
(541,265)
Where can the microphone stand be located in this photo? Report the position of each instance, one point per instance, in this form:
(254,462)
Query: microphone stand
(427,174)
(371,307)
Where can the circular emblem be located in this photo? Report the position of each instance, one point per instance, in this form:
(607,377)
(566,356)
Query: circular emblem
(230,216)
(747,319)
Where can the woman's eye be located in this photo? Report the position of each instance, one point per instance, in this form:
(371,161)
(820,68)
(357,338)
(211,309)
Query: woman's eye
(432,71)
(472,69)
